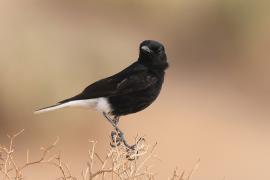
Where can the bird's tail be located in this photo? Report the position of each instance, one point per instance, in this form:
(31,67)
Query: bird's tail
(51,108)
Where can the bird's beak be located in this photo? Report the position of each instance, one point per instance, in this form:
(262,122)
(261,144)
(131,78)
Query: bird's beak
(145,48)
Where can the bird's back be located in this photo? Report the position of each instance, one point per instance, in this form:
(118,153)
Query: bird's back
(112,85)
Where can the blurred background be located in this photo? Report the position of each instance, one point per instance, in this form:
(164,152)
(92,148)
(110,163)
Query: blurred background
(214,105)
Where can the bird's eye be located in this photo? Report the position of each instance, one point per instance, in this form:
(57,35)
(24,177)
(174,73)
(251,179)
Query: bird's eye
(159,50)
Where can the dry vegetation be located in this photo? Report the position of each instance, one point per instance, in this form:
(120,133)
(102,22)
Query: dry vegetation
(119,163)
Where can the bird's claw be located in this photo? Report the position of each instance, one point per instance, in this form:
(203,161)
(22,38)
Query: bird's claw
(116,140)
(132,150)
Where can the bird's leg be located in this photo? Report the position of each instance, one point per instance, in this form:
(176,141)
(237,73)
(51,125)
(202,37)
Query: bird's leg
(114,135)
(116,120)
(114,123)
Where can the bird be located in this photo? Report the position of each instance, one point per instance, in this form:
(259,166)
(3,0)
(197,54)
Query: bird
(129,91)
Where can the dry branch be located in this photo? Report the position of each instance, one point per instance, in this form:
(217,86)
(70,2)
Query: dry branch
(119,162)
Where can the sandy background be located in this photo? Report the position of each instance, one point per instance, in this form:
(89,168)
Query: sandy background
(214,104)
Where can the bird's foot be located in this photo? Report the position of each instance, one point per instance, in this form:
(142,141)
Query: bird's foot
(116,141)
(118,138)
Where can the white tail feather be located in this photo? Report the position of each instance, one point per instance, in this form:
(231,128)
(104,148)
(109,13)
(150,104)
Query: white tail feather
(101,104)
(51,108)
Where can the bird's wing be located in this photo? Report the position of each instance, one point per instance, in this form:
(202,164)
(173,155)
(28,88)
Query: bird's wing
(134,83)
(134,78)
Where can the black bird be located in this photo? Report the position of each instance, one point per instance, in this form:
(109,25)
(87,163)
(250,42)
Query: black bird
(129,91)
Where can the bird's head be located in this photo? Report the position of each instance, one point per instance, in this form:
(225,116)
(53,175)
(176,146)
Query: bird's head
(152,54)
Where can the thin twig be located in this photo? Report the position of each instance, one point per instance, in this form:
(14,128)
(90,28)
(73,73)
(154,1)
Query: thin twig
(45,151)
